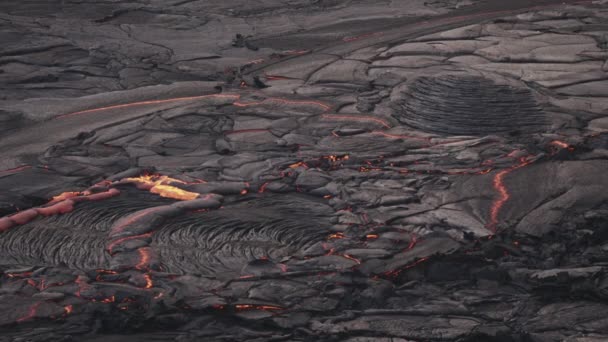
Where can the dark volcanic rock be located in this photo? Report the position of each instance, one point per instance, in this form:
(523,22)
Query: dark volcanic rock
(221,171)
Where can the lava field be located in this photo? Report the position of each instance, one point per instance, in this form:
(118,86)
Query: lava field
(304,170)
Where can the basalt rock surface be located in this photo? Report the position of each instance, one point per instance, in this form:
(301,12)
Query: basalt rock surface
(260,171)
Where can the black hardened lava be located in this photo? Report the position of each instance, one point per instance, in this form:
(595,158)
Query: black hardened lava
(469,105)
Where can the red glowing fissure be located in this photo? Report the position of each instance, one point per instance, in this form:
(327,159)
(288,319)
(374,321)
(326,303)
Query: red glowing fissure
(31,313)
(503,192)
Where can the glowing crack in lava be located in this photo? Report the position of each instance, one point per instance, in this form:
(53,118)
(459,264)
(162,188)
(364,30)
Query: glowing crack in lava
(150,102)
(161,185)
(503,193)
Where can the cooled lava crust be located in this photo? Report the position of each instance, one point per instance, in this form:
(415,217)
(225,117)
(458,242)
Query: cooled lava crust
(304,171)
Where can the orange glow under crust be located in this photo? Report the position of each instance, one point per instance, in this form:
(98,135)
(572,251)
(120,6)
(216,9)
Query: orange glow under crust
(161,185)
(503,193)
(150,102)
(109,300)
(357,261)
(242,307)
(68,309)
(149,283)
(340,117)
(562,144)
(336,236)
(144,258)
(297,165)
(31,313)
(66,195)
(173,192)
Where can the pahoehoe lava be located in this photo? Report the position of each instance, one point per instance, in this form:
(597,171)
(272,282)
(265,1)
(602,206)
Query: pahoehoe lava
(352,171)
(469,105)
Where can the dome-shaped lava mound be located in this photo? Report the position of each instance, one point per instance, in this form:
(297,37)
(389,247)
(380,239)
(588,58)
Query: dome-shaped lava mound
(469,105)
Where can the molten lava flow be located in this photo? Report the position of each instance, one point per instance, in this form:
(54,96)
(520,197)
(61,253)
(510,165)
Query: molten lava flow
(160,185)
(150,102)
(356,118)
(149,283)
(173,192)
(144,258)
(503,193)
(66,195)
(298,164)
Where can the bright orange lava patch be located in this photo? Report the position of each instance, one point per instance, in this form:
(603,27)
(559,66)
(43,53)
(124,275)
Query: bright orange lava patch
(161,185)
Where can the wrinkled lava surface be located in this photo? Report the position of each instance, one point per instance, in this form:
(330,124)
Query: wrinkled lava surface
(360,171)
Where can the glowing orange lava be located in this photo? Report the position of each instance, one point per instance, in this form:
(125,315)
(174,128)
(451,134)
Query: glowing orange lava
(149,283)
(66,195)
(357,261)
(68,309)
(161,185)
(562,144)
(144,258)
(338,235)
(503,193)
